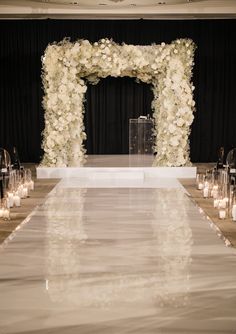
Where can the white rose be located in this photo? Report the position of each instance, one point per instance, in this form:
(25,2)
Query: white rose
(180,122)
(174,141)
(171,128)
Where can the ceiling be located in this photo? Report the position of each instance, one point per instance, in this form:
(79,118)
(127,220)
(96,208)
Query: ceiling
(125,9)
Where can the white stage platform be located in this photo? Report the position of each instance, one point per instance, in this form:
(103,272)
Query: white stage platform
(117,167)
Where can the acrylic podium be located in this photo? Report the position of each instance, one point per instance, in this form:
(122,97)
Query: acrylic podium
(141,136)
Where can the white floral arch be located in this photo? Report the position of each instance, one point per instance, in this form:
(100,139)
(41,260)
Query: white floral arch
(67,67)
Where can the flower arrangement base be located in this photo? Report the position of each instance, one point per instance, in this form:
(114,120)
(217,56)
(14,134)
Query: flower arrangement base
(116,173)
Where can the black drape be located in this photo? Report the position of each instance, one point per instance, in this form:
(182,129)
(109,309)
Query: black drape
(110,105)
(113,101)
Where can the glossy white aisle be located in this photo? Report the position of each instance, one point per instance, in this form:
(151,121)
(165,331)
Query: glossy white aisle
(117,260)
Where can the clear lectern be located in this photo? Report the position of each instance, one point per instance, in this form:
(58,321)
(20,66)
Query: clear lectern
(141,136)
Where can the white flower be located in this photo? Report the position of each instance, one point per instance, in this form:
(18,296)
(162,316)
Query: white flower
(107,50)
(172,128)
(180,122)
(174,141)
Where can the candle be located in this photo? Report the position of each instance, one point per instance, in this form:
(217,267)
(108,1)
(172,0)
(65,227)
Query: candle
(214,192)
(10,200)
(6,214)
(234,212)
(206,184)
(31,185)
(222,214)
(24,192)
(16,200)
(222,204)
(20,191)
(205,192)
(216,203)
(1,212)
(200,186)
(226,200)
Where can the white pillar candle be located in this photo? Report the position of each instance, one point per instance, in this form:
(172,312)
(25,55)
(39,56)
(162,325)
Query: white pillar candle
(216,203)
(206,184)
(8,202)
(25,192)
(10,199)
(222,214)
(226,200)
(6,214)
(222,204)
(205,192)
(20,191)
(31,185)
(200,186)
(234,212)
(17,200)
(214,192)
(1,212)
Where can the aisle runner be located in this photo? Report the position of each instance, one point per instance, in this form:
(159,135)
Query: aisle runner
(117,260)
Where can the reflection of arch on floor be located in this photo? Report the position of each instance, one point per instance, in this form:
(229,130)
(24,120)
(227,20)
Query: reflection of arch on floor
(160,246)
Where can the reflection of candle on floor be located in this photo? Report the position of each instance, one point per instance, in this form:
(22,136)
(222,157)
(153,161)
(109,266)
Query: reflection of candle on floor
(222,214)
(234,212)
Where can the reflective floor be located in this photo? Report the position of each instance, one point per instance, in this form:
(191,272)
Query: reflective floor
(117,260)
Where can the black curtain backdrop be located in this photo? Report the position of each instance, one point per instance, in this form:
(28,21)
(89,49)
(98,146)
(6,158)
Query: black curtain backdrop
(112,102)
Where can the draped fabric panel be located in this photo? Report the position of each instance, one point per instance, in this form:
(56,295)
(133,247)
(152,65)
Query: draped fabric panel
(113,101)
